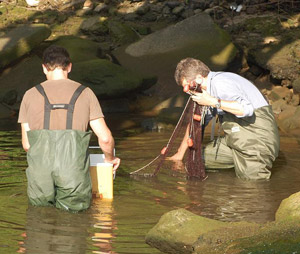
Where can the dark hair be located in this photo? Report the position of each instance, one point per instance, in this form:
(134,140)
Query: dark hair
(189,68)
(56,56)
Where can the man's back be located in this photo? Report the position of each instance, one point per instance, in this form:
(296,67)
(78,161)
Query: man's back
(59,91)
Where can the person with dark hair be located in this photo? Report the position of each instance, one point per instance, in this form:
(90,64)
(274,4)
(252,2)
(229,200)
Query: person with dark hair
(251,140)
(54,117)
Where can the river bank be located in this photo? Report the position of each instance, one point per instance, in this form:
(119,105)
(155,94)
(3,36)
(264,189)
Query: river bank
(265,36)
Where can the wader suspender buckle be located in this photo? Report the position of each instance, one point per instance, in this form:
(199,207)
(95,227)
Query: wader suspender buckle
(69,107)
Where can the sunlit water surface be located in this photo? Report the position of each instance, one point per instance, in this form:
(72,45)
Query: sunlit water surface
(120,226)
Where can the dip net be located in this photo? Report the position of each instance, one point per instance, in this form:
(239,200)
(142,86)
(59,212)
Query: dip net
(190,129)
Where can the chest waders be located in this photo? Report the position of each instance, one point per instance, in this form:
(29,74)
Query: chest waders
(58,162)
(250,145)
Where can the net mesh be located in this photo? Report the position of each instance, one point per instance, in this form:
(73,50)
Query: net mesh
(189,128)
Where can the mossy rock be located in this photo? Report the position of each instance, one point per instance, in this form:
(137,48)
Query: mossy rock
(21,77)
(80,50)
(121,33)
(267,26)
(182,232)
(95,25)
(13,15)
(177,230)
(271,238)
(109,80)
(289,208)
(20,41)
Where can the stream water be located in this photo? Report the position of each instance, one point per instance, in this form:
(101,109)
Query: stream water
(120,226)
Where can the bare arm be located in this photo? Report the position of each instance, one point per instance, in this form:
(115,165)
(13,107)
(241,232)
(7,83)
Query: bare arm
(105,140)
(232,107)
(25,142)
(182,148)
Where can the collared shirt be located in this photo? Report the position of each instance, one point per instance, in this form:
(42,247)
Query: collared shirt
(233,87)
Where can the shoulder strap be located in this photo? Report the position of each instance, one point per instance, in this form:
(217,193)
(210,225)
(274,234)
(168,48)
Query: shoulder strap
(47,107)
(72,105)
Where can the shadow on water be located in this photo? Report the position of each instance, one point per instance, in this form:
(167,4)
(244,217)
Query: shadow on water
(120,225)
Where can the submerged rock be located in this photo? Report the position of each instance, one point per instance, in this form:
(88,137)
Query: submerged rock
(20,41)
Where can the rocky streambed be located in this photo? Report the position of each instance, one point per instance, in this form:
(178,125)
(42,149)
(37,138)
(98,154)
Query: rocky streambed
(126,51)
(138,43)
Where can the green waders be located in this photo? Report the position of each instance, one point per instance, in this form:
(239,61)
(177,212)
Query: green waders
(58,162)
(250,145)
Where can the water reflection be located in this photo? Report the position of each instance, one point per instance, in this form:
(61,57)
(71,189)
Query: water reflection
(103,213)
(49,230)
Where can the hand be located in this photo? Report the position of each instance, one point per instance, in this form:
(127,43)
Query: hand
(115,161)
(204,99)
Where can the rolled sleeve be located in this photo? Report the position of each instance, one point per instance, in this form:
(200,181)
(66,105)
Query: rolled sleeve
(226,89)
(247,106)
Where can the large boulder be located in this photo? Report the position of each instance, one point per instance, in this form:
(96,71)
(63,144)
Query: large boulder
(177,230)
(5,112)
(20,41)
(282,59)
(292,123)
(109,80)
(79,49)
(158,53)
(181,232)
(21,77)
(119,33)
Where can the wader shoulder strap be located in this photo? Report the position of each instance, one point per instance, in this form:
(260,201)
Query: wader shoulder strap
(70,107)
(47,107)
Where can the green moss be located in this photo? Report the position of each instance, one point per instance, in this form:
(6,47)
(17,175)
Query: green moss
(121,33)
(70,27)
(267,26)
(20,41)
(96,25)
(79,49)
(13,15)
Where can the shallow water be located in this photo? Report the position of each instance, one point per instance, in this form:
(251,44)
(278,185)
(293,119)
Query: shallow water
(119,226)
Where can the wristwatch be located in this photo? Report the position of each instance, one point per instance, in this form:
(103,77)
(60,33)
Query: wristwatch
(218,104)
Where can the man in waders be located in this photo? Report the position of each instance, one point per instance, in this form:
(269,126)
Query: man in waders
(54,117)
(251,141)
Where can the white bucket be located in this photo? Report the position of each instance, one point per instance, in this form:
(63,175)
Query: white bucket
(102,176)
